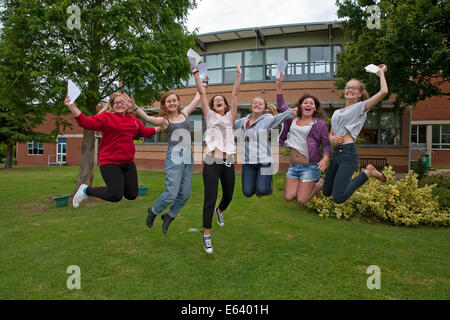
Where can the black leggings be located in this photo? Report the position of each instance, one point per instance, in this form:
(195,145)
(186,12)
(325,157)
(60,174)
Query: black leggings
(121,181)
(211,175)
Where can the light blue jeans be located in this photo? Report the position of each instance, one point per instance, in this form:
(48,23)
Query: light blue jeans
(178,185)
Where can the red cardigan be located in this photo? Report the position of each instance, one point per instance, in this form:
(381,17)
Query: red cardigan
(116,146)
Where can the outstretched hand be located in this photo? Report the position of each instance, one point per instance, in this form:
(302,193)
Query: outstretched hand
(129,100)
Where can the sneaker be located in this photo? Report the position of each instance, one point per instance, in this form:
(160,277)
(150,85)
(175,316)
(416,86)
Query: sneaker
(219,218)
(207,244)
(79,196)
(150,218)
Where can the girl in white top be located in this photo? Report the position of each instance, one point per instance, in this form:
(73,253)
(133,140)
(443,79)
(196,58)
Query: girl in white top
(219,138)
(346,124)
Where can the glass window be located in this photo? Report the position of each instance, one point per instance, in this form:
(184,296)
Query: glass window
(35,147)
(369,132)
(297,54)
(253,74)
(441,136)
(215,76)
(232,59)
(253,58)
(419,137)
(390,128)
(274,55)
(320,59)
(214,61)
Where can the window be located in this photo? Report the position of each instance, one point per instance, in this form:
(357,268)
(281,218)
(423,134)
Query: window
(320,58)
(297,67)
(419,137)
(35,147)
(380,128)
(273,56)
(61,150)
(441,136)
(231,60)
(253,66)
(304,63)
(214,62)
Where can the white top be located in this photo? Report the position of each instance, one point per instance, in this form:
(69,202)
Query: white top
(219,132)
(296,137)
(350,119)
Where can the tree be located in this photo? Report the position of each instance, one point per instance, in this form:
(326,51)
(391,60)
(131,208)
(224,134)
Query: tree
(19,110)
(104,46)
(412,41)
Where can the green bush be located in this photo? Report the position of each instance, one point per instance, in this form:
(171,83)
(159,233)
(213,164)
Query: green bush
(442,187)
(400,202)
(420,168)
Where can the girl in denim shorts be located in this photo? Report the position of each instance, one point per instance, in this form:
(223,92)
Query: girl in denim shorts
(305,135)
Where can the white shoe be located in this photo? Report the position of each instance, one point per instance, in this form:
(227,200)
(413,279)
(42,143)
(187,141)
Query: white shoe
(79,196)
(207,244)
(220,221)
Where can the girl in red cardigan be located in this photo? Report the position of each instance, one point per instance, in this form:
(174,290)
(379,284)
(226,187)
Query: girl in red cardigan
(116,151)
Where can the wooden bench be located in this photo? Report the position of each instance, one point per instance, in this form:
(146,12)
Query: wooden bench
(378,163)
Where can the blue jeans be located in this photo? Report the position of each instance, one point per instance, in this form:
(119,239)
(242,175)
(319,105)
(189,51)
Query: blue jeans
(256,178)
(178,186)
(338,179)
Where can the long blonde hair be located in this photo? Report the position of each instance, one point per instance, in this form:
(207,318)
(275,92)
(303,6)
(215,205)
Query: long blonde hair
(362,89)
(271,109)
(109,106)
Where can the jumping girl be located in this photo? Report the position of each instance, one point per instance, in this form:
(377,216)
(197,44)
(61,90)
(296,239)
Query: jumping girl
(346,123)
(116,151)
(179,163)
(306,135)
(218,165)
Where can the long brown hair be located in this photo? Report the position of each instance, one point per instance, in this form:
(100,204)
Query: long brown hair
(163,111)
(319,113)
(211,103)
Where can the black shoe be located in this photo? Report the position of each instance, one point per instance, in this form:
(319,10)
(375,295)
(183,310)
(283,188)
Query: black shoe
(150,218)
(167,220)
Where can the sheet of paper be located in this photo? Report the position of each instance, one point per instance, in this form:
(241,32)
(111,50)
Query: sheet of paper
(281,67)
(73,91)
(372,68)
(194,58)
(202,70)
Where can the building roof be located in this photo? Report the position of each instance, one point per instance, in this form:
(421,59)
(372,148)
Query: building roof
(237,34)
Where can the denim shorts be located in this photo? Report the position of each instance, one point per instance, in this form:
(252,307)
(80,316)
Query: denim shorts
(304,172)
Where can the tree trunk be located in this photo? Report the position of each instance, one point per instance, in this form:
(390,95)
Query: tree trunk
(9,156)
(86,173)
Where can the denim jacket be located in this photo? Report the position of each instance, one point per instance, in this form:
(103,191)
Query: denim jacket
(257,147)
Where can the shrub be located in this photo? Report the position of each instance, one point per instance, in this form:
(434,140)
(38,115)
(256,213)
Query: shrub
(442,187)
(400,202)
(420,168)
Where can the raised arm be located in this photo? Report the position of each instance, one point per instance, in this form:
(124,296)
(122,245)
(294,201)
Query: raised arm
(202,91)
(281,104)
(234,94)
(191,107)
(72,107)
(157,121)
(372,101)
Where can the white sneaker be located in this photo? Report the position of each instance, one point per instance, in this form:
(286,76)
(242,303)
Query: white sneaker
(220,221)
(79,196)
(207,244)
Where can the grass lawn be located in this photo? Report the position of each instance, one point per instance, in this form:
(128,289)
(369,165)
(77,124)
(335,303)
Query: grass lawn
(268,248)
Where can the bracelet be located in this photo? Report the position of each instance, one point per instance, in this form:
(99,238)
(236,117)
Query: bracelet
(195,71)
(135,108)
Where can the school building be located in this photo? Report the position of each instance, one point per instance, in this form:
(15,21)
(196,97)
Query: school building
(311,50)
